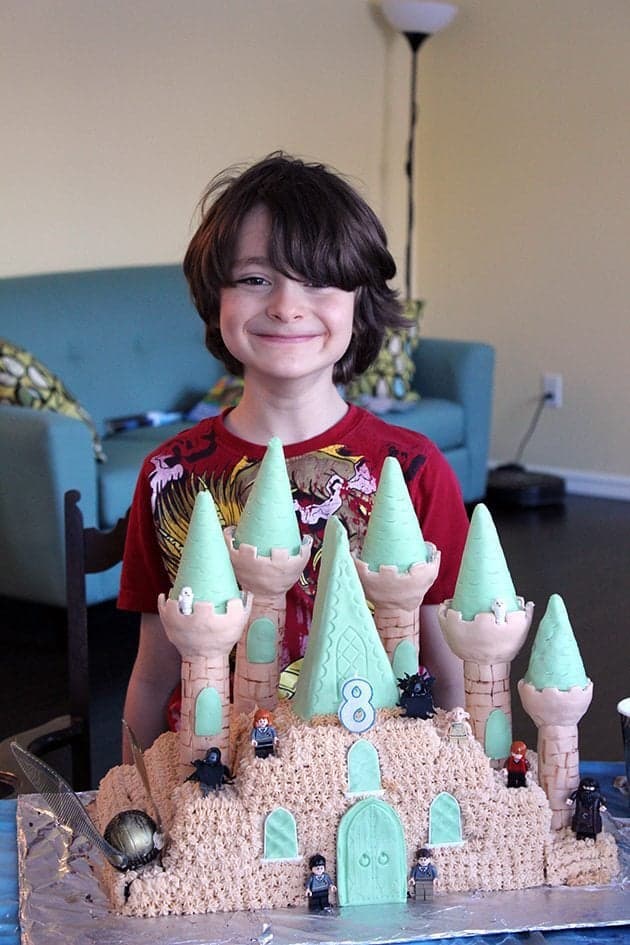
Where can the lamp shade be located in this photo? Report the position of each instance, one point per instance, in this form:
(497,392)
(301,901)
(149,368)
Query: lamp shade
(416,16)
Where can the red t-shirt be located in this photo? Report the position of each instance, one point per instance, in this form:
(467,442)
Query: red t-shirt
(335,473)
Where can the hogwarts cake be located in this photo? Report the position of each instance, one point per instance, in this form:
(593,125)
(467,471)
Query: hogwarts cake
(393,798)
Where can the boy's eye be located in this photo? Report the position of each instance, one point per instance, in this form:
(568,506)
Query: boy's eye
(252,280)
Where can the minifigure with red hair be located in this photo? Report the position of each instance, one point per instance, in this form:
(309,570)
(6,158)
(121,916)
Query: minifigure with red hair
(264,736)
(517,765)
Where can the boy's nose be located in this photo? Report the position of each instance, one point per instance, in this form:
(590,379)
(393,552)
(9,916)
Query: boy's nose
(285,301)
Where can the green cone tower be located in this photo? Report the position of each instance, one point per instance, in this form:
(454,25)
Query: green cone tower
(204,616)
(268,556)
(343,641)
(396,567)
(556,693)
(486,624)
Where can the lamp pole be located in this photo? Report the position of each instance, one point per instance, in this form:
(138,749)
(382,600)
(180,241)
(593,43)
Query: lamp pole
(415,41)
(417,20)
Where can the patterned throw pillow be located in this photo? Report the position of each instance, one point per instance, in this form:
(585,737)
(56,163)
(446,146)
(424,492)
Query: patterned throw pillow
(26,382)
(386,385)
(225,393)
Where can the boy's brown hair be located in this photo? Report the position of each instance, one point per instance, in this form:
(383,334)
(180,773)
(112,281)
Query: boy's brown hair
(322,230)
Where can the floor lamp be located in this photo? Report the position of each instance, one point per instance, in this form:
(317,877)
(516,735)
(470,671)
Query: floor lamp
(417,20)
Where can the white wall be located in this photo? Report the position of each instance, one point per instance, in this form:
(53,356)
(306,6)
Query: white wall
(524,193)
(116,114)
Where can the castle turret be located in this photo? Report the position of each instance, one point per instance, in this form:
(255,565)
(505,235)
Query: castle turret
(343,641)
(268,556)
(204,616)
(396,565)
(486,624)
(556,693)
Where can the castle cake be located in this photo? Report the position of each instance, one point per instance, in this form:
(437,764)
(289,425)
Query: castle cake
(345,771)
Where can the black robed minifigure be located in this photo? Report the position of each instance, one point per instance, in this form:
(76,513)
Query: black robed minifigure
(210,772)
(589,801)
(416,694)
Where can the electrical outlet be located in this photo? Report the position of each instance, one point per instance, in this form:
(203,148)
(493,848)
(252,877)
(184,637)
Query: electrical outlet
(552,389)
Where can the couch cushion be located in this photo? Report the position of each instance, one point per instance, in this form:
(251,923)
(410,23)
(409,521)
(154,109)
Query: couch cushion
(124,340)
(125,453)
(227,392)
(26,382)
(441,420)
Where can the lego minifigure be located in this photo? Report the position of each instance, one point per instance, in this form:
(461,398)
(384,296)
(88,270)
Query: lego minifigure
(416,696)
(459,728)
(210,772)
(264,736)
(319,885)
(516,766)
(185,601)
(589,801)
(499,610)
(422,875)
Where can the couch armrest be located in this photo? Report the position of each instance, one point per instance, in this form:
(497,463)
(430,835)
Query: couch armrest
(42,454)
(462,371)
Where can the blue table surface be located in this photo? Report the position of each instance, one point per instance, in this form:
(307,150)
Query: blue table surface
(613,935)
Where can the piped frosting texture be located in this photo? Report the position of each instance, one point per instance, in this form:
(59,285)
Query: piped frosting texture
(555,661)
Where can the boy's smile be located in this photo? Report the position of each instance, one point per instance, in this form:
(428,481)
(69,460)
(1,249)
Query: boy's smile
(280,327)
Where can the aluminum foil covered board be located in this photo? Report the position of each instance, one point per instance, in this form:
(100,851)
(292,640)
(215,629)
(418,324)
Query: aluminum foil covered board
(61,903)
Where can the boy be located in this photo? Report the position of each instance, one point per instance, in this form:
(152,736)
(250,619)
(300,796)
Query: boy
(289,270)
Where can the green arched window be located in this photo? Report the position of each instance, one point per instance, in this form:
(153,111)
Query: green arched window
(445,821)
(497,735)
(261,641)
(364,773)
(208,712)
(280,835)
(405,659)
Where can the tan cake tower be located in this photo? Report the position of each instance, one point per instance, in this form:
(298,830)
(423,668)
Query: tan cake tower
(486,624)
(556,693)
(268,555)
(396,567)
(204,616)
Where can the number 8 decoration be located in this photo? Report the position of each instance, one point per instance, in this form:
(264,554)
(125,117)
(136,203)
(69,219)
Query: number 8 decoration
(356,712)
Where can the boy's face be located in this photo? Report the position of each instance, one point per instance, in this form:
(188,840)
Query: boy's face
(281,328)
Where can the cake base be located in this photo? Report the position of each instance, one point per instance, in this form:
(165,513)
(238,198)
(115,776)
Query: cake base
(217,859)
(62,900)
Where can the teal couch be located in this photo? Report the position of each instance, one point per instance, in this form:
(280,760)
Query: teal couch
(125,341)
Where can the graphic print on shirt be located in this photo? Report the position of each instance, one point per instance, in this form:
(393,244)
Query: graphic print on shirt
(323,483)
(331,480)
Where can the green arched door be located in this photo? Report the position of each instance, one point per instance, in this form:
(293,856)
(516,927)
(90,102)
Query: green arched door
(371,857)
